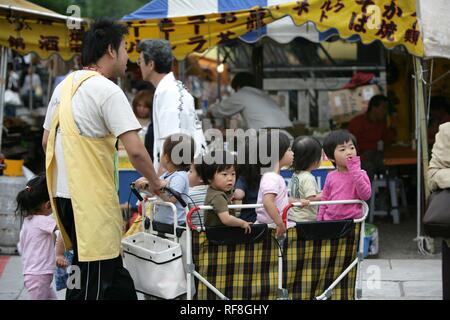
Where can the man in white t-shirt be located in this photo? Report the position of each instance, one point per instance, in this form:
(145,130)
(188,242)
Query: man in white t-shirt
(173,105)
(100,111)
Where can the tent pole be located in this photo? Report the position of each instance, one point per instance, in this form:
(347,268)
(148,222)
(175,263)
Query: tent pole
(422,151)
(219,76)
(3,75)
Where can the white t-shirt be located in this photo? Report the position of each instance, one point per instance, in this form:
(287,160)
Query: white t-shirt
(99,108)
(174,112)
(257,108)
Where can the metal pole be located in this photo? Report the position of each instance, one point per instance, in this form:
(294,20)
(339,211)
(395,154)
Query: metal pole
(219,78)
(31,91)
(424,244)
(419,149)
(3,69)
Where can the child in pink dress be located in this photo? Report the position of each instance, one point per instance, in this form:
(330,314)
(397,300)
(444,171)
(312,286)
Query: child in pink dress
(273,192)
(348,182)
(37,244)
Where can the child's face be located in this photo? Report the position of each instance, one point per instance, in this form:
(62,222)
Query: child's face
(343,152)
(165,161)
(46,208)
(224,180)
(287,159)
(194,178)
(142,111)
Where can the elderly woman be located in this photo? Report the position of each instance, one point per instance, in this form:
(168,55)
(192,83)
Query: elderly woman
(439,178)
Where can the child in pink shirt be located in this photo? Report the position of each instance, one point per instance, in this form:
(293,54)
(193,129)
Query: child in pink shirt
(273,191)
(36,243)
(348,182)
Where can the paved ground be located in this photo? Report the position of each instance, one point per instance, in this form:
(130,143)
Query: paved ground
(399,271)
(393,279)
(387,279)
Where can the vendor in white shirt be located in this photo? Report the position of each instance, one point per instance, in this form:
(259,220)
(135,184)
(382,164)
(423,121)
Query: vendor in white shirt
(258,110)
(173,105)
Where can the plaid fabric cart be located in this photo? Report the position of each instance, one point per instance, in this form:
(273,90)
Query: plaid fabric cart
(316,260)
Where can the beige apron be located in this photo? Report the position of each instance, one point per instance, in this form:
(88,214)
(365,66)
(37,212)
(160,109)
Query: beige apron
(91,179)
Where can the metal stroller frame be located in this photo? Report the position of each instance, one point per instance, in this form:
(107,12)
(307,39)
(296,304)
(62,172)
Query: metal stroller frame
(282,292)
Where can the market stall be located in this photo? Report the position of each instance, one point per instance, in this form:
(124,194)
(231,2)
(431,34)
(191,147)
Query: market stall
(420,27)
(26,27)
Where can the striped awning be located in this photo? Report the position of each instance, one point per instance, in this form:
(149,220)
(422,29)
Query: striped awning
(194,26)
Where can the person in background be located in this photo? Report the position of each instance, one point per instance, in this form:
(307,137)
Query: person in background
(439,178)
(347,182)
(142,108)
(372,133)
(32,86)
(12,78)
(439,114)
(307,157)
(75,65)
(173,106)
(37,239)
(257,108)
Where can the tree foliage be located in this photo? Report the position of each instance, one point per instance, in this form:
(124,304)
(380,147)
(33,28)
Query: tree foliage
(94,9)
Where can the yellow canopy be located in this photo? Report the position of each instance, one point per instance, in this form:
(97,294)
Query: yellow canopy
(26,27)
(392,22)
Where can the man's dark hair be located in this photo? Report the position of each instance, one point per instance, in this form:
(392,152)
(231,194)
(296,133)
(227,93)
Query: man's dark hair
(336,138)
(226,160)
(102,33)
(377,101)
(307,151)
(243,79)
(158,51)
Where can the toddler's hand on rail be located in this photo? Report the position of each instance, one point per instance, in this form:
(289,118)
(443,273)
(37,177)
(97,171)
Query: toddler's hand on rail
(246,226)
(304,203)
(280,230)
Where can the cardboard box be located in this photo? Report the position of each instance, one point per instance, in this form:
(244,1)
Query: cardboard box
(346,104)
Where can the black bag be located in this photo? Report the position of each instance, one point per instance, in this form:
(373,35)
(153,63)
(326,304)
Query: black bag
(437,217)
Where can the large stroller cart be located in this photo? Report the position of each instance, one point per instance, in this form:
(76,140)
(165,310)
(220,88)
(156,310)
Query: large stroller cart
(316,260)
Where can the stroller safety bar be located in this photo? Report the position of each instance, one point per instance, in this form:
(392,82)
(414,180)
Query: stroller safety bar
(318,203)
(232,206)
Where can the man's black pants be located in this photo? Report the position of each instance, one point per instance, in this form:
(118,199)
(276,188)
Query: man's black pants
(94,280)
